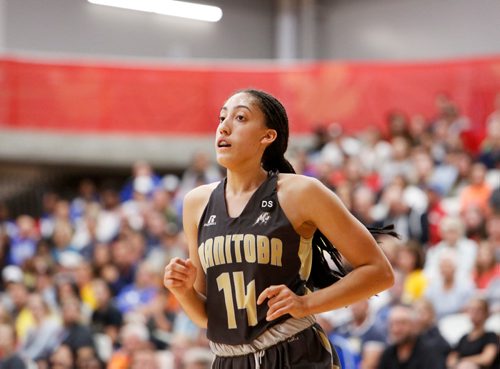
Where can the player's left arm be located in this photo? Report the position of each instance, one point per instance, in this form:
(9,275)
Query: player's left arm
(318,207)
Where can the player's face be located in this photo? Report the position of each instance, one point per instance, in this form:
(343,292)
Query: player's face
(242,135)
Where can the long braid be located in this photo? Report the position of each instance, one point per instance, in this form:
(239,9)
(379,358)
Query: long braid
(274,160)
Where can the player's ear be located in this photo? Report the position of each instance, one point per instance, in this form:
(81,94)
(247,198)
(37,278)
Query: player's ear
(269,137)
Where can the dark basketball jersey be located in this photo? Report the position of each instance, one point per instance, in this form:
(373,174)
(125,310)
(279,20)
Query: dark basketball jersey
(243,256)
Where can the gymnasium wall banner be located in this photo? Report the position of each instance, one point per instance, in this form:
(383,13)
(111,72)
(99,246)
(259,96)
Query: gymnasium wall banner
(176,99)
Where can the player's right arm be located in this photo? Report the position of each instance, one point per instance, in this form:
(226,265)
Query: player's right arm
(185,278)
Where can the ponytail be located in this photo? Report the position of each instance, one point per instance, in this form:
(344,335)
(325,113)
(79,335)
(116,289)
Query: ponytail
(276,163)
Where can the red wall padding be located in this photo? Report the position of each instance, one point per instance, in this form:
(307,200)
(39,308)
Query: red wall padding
(168,99)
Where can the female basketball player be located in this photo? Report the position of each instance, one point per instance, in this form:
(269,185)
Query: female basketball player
(250,248)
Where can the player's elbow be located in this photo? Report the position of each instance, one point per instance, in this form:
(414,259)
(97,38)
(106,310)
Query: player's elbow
(386,275)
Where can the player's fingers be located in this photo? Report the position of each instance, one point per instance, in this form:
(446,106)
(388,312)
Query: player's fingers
(268,293)
(176,267)
(173,283)
(277,313)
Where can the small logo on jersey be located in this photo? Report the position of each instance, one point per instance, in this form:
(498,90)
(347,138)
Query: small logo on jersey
(263,218)
(211,221)
(267,204)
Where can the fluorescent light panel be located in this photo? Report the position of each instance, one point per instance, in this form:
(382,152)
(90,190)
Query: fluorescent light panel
(182,9)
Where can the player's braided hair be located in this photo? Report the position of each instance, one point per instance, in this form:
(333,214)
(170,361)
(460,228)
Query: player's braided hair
(274,159)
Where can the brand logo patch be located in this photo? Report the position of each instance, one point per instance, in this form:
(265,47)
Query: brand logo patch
(211,221)
(263,218)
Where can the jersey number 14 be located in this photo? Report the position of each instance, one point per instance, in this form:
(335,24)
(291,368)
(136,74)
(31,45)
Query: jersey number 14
(245,297)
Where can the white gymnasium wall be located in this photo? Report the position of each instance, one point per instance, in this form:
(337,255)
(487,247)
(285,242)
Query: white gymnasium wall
(345,29)
(78,27)
(408,29)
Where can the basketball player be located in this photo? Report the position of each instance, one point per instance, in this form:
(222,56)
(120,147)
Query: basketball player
(250,248)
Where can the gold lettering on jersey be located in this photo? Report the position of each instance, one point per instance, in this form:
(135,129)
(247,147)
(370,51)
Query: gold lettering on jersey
(219,250)
(237,248)
(263,251)
(201,253)
(229,258)
(237,238)
(208,252)
(276,251)
(250,252)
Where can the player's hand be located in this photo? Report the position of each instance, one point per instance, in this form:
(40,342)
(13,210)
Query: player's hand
(281,301)
(179,276)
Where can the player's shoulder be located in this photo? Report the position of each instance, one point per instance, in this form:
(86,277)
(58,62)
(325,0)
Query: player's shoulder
(295,183)
(200,194)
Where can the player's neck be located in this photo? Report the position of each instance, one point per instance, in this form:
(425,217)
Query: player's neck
(245,180)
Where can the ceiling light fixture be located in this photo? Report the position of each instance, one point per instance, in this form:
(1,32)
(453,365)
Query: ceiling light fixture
(182,9)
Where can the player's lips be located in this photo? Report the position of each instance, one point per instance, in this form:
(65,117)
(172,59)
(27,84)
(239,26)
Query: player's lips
(222,142)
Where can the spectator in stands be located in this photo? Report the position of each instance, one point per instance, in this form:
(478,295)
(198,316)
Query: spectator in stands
(479,346)
(405,208)
(142,176)
(49,201)
(201,170)
(490,146)
(4,251)
(140,293)
(449,294)
(487,268)
(420,132)
(435,212)
(410,261)
(61,239)
(87,196)
(145,358)
(333,152)
(5,317)
(16,300)
(121,269)
(363,329)
(62,358)
(374,150)
(398,124)
(172,245)
(134,210)
(462,161)
(40,272)
(74,334)
(453,238)
(408,350)
(493,232)
(87,358)
(363,203)
(154,227)
(371,355)
(42,336)
(23,243)
(9,358)
(85,235)
(429,331)
(109,218)
(423,167)
(160,316)
(163,201)
(478,191)
(7,225)
(399,164)
(134,337)
(387,300)
(106,317)
(475,223)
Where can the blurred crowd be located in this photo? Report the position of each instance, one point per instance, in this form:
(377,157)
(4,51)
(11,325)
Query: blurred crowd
(81,286)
